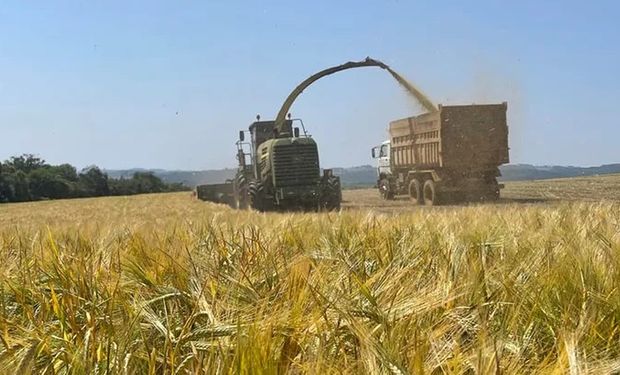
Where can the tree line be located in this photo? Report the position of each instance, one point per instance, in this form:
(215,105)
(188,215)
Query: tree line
(29,178)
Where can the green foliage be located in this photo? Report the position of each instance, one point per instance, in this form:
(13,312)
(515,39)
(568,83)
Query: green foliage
(94,183)
(66,172)
(13,184)
(25,163)
(142,183)
(46,183)
(27,177)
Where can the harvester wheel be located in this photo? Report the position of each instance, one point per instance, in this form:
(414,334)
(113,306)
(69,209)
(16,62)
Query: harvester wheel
(415,191)
(241,193)
(256,192)
(430,193)
(384,189)
(331,195)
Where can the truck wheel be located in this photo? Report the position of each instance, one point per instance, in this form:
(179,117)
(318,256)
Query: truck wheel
(494,192)
(495,195)
(492,195)
(384,189)
(430,193)
(415,192)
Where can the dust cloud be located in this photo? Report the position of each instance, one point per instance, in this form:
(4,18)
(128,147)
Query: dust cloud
(411,89)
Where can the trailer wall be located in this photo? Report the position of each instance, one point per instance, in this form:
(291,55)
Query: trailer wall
(472,137)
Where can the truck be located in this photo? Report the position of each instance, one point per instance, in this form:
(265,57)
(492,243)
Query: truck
(448,155)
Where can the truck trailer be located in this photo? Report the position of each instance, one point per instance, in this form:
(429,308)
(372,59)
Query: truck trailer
(448,155)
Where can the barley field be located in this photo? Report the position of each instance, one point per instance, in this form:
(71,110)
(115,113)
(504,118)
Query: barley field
(164,284)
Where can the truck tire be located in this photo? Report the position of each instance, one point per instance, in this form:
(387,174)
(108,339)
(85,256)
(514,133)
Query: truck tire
(493,190)
(384,189)
(415,191)
(431,197)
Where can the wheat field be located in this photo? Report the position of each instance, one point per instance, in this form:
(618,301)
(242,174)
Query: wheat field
(164,284)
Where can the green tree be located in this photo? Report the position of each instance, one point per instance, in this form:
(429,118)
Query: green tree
(21,189)
(46,183)
(66,171)
(13,184)
(93,182)
(147,182)
(6,193)
(26,163)
(28,177)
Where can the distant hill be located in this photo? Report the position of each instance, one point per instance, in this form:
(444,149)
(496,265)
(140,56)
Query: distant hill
(366,175)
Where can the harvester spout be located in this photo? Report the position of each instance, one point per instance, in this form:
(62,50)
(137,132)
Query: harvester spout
(368,62)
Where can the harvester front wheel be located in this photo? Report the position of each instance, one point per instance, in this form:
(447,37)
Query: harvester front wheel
(241,193)
(256,192)
(331,194)
(415,191)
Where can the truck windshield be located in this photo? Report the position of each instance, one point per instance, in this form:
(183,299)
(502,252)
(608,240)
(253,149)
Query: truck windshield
(385,151)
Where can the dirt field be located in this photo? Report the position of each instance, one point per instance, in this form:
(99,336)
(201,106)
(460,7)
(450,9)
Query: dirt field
(592,188)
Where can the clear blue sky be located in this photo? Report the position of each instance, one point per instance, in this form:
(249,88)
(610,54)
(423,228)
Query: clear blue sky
(101,82)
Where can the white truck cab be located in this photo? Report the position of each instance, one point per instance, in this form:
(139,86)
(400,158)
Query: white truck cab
(384,171)
(382,154)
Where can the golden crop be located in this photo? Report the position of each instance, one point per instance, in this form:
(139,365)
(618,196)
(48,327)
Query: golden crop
(166,284)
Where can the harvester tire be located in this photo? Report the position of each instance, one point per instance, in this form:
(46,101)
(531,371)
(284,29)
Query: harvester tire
(331,196)
(415,192)
(241,193)
(431,198)
(256,193)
